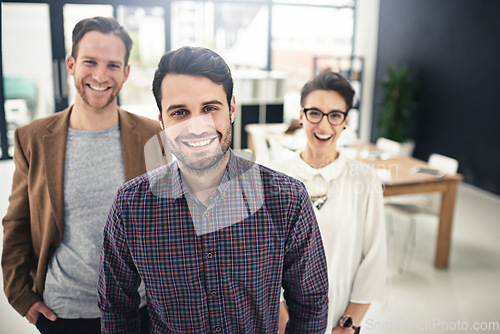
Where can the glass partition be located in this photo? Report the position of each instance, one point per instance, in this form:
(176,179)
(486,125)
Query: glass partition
(238,32)
(295,43)
(270,64)
(146,26)
(27,65)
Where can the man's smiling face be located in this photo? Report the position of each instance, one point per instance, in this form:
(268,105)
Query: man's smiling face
(197,120)
(99,69)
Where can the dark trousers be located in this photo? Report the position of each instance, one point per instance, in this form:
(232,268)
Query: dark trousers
(83,326)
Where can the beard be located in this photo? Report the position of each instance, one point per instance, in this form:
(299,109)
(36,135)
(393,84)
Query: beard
(101,103)
(205,160)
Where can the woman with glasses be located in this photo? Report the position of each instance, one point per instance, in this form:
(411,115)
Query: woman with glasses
(348,203)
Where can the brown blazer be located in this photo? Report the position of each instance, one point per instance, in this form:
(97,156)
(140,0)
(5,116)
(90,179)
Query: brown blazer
(33,225)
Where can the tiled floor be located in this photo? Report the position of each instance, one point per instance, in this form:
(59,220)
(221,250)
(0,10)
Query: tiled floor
(420,300)
(426,300)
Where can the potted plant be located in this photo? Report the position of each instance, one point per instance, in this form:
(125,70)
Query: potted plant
(397,104)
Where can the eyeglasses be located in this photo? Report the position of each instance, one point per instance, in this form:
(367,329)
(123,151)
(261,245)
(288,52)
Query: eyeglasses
(315,116)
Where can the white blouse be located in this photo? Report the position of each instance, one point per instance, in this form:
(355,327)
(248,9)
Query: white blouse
(351,221)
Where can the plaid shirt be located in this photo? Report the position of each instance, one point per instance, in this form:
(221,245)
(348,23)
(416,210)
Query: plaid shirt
(215,269)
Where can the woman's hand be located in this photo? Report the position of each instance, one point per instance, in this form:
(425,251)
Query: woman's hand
(340,330)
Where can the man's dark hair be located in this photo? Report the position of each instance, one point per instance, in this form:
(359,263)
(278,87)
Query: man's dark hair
(105,25)
(329,81)
(196,61)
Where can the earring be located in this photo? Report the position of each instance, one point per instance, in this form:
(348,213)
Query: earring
(344,127)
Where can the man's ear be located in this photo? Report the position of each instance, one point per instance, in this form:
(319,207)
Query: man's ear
(232,109)
(70,65)
(161,121)
(126,71)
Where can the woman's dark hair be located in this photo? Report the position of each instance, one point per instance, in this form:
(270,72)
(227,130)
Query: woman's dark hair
(329,81)
(196,61)
(105,25)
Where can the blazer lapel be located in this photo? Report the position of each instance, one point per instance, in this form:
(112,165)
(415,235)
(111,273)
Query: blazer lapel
(54,154)
(131,146)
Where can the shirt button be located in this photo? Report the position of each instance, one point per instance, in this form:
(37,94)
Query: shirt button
(223,193)
(207,214)
(218,329)
(209,255)
(213,293)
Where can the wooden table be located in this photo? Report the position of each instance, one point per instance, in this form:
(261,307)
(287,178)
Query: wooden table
(404,181)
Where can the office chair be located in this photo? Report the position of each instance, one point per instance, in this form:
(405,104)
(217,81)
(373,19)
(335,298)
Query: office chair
(388,146)
(410,207)
(258,143)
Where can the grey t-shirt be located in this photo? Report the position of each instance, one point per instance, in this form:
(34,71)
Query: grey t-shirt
(93,172)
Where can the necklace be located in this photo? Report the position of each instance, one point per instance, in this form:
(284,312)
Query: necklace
(319,201)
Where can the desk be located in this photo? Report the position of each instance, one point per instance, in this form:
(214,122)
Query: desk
(404,181)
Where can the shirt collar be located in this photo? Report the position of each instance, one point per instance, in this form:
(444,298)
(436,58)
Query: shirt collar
(328,172)
(178,188)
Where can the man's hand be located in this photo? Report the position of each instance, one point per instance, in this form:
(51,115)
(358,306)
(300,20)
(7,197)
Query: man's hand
(36,309)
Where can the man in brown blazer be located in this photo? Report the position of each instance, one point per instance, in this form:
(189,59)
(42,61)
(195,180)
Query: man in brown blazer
(67,169)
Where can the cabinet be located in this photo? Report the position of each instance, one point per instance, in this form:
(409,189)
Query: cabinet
(259,99)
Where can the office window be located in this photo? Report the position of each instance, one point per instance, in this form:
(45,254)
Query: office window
(146,27)
(27,65)
(318,2)
(313,32)
(191,24)
(241,34)
(238,32)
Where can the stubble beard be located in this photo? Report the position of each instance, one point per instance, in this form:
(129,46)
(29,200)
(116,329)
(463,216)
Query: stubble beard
(81,91)
(206,165)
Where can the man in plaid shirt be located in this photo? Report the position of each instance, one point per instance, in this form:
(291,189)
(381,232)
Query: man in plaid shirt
(214,237)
